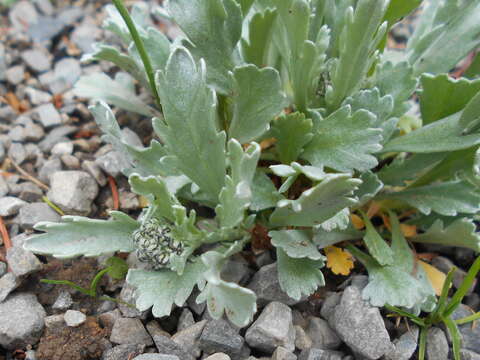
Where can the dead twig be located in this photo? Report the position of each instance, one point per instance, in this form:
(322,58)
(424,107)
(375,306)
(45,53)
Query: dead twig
(28,176)
(114,189)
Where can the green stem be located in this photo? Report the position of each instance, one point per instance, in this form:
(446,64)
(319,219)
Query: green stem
(468,319)
(140,47)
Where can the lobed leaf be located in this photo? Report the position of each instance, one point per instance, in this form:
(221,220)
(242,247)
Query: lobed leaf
(295,243)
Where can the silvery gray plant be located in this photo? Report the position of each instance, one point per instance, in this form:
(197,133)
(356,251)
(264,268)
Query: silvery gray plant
(290,115)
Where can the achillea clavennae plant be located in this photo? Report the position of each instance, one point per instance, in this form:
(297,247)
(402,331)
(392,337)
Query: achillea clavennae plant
(291,116)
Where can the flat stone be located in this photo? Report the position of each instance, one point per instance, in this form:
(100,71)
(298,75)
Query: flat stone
(66,73)
(93,169)
(48,115)
(8,283)
(34,213)
(322,335)
(33,132)
(267,288)
(17,152)
(15,74)
(23,14)
(63,302)
(36,60)
(17,133)
(10,205)
(273,328)
(218,356)
(73,191)
(156,357)
(154,329)
(130,331)
(185,320)
(85,35)
(74,318)
(437,344)
(21,321)
(22,262)
(188,338)
(320,354)
(123,352)
(220,336)
(283,354)
(38,97)
(48,168)
(405,346)
(62,148)
(361,326)
(45,29)
(167,346)
(56,135)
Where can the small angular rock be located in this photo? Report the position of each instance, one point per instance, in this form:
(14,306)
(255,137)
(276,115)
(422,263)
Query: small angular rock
(74,318)
(320,354)
(36,60)
(185,320)
(437,345)
(48,115)
(405,346)
(220,336)
(48,168)
(112,163)
(21,321)
(22,262)
(122,352)
(167,346)
(31,214)
(283,354)
(73,191)
(322,335)
(63,302)
(218,356)
(273,328)
(15,74)
(188,338)
(10,205)
(93,169)
(157,357)
(130,331)
(17,152)
(8,283)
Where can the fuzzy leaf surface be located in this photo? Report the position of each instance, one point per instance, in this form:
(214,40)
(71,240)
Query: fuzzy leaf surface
(371,186)
(295,243)
(345,141)
(264,193)
(189,128)
(161,289)
(324,238)
(377,247)
(293,132)
(461,232)
(448,198)
(214,28)
(78,235)
(299,276)
(258,98)
(317,204)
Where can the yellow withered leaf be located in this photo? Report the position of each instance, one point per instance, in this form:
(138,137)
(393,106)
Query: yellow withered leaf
(338,260)
(408,230)
(357,222)
(435,276)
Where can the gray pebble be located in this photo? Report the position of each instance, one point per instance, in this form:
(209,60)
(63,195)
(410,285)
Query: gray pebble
(48,168)
(8,283)
(18,153)
(437,345)
(73,191)
(15,74)
(188,338)
(128,295)
(10,205)
(62,148)
(112,163)
(23,14)
(21,321)
(322,335)
(273,328)
(63,302)
(123,352)
(185,320)
(74,318)
(130,331)
(156,357)
(70,161)
(93,169)
(33,132)
(34,213)
(54,321)
(22,262)
(56,135)
(320,354)
(167,346)
(48,115)
(38,97)
(36,60)
(220,336)
(66,73)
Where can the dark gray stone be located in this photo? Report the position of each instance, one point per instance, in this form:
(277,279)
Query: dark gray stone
(130,331)
(185,320)
(437,344)
(48,168)
(220,336)
(188,338)
(167,346)
(267,288)
(73,191)
(405,346)
(273,328)
(21,321)
(22,262)
(283,354)
(361,326)
(322,335)
(470,334)
(320,354)
(445,265)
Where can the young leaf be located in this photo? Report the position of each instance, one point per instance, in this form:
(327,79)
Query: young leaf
(377,247)
(264,193)
(189,128)
(99,86)
(338,260)
(323,238)
(370,187)
(345,141)
(317,204)
(461,232)
(295,243)
(371,100)
(155,189)
(448,198)
(300,276)
(78,235)
(236,196)
(293,132)
(361,34)
(443,96)
(214,28)
(258,99)
(162,289)
(117,268)
(238,303)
